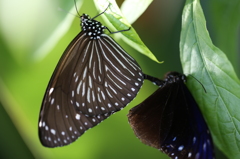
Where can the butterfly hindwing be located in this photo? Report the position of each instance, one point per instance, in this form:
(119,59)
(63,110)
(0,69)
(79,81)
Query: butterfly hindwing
(59,126)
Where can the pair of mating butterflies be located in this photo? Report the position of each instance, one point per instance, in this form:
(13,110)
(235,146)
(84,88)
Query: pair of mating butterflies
(95,78)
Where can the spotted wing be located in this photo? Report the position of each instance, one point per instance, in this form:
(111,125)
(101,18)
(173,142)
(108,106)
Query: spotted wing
(108,81)
(61,126)
(93,77)
(171,121)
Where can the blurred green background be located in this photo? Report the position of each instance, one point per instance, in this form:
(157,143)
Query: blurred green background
(26,67)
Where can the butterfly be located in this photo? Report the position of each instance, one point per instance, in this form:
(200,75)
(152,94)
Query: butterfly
(93,79)
(170,120)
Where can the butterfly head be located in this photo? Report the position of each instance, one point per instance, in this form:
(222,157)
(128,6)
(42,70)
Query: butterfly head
(94,29)
(175,77)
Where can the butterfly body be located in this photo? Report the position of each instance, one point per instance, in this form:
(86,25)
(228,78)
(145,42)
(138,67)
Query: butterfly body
(171,121)
(92,28)
(93,79)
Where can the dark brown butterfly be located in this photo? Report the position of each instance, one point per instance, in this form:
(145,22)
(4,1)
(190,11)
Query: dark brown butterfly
(94,78)
(171,121)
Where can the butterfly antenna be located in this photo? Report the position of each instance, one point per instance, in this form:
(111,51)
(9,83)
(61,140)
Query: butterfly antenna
(102,11)
(60,9)
(75,4)
(200,83)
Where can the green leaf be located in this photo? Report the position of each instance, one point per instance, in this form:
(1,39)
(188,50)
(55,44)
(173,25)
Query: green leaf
(139,7)
(114,16)
(60,30)
(200,58)
(224,19)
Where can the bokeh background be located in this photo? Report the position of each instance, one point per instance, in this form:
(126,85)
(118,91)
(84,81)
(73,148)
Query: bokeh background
(25,69)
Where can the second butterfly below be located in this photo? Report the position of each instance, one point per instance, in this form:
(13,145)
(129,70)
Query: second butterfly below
(170,120)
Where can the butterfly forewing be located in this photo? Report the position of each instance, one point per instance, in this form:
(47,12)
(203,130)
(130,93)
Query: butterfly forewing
(94,78)
(171,121)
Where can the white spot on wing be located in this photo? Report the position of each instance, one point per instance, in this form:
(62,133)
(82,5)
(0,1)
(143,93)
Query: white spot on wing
(204,146)
(93,96)
(78,87)
(50,91)
(77,116)
(89,110)
(103,95)
(99,99)
(180,148)
(76,79)
(94,70)
(189,154)
(52,101)
(85,73)
(83,90)
(40,124)
(72,93)
(174,139)
(194,139)
(53,131)
(88,95)
(90,81)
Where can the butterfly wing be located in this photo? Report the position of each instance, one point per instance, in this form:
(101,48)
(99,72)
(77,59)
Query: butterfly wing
(109,80)
(171,121)
(94,77)
(61,126)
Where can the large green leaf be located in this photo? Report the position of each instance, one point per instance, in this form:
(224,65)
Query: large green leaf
(200,58)
(114,16)
(224,18)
